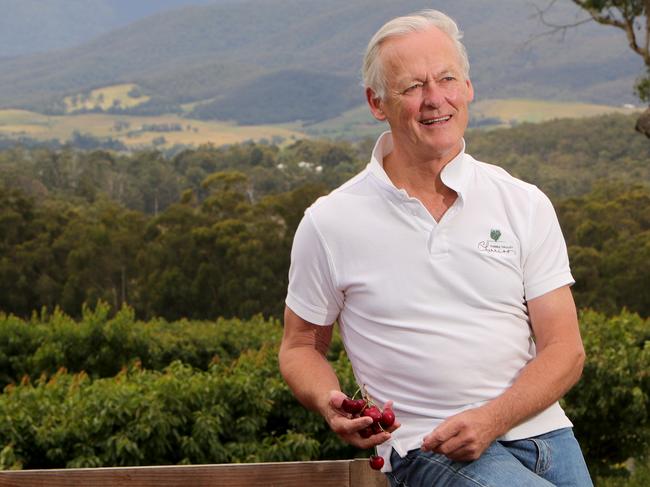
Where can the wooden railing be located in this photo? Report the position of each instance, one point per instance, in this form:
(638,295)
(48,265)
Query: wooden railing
(339,473)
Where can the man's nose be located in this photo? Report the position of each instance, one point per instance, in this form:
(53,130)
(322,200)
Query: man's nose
(433,95)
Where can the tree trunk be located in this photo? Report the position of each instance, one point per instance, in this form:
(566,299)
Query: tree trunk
(123,286)
(643,123)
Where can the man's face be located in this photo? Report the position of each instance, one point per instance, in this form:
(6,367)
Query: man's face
(427,94)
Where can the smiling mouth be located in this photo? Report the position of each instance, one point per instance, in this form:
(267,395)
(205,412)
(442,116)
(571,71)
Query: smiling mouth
(436,121)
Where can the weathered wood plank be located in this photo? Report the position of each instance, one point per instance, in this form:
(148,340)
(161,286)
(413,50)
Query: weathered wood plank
(285,474)
(362,475)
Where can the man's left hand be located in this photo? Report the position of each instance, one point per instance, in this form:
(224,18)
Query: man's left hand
(464,436)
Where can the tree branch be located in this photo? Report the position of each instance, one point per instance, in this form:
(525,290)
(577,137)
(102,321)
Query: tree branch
(606,16)
(554,28)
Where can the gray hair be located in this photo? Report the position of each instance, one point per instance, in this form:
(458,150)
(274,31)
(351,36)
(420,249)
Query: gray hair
(372,72)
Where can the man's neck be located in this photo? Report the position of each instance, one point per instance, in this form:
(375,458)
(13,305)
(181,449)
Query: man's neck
(418,175)
(422,180)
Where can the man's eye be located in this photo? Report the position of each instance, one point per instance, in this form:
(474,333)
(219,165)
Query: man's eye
(412,88)
(448,78)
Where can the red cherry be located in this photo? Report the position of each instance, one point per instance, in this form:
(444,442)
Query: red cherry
(359,404)
(376,462)
(366,432)
(373,412)
(387,418)
(353,406)
(347,405)
(376,429)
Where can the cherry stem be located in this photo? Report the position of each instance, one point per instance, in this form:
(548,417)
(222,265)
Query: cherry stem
(366,396)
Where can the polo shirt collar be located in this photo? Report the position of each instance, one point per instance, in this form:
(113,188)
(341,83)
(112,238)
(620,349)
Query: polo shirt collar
(456,174)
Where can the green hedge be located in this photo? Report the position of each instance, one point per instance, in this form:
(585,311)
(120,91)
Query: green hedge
(236,412)
(237,408)
(100,344)
(610,406)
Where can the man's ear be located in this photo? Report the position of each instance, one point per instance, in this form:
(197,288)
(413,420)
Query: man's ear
(375,104)
(470,91)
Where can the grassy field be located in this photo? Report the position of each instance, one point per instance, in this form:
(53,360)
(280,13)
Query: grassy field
(355,123)
(168,130)
(514,111)
(122,96)
(137,131)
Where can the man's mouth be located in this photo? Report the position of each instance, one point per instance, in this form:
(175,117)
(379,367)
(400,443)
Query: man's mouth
(436,120)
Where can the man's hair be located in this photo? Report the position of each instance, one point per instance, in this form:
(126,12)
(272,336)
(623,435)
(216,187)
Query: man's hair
(372,72)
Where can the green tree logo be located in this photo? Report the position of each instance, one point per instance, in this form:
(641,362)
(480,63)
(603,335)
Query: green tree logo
(495,234)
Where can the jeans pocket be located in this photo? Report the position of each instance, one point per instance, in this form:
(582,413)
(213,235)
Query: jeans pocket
(399,467)
(544,456)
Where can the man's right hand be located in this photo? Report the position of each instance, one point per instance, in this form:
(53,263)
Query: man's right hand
(347,427)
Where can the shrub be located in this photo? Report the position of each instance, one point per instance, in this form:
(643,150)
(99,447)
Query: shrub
(100,344)
(610,406)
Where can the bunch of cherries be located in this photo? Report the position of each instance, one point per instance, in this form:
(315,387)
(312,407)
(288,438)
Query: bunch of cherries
(380,419)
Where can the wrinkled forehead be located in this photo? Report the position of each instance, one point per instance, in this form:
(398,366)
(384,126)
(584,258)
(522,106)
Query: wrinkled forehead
(430,49)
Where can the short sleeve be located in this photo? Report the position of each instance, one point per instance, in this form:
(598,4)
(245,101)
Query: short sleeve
(546,264)
(312,293)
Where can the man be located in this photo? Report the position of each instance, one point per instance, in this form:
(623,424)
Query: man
(450,283)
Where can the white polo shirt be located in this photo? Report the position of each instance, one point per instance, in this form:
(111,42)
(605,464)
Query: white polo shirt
(433,314)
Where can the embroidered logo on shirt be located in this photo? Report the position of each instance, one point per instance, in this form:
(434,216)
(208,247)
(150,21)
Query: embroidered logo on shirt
(493,246)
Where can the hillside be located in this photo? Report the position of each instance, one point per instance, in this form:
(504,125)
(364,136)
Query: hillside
(567,157)
(229,55)
(30,26)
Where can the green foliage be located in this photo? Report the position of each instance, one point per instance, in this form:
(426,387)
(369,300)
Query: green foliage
(238,410)
(208,232)
(100,344)
(610,406)
(638,477)
(108,389)
(608,235)
(223,250)
(167,406)
(567,158)
(642,87)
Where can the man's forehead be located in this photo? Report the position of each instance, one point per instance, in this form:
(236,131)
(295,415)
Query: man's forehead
(419,42)
(432,35)
(407,60)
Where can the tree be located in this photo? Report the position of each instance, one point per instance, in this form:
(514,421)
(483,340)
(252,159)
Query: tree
(100,245)
(608,234)
(633,17)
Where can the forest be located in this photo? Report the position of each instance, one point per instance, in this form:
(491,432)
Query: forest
(140,295)
(208,232)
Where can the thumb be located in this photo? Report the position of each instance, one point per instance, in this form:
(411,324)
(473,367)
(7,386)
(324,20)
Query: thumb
(336,398)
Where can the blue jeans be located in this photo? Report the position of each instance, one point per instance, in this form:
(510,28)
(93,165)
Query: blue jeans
(550,459)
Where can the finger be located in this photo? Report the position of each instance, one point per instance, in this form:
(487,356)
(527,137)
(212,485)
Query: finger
(336,398)
(373,441)
(442,433)
(393,427)
(343,426)
(451,446)
(466,453)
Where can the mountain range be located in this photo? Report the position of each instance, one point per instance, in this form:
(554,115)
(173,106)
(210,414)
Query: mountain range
(270,61)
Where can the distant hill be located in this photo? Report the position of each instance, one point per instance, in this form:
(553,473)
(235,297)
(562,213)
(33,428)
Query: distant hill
(30,26)
(255,61)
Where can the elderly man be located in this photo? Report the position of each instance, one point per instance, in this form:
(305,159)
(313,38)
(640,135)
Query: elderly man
(450,283)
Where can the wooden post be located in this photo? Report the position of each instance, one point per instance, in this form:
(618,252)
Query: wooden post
(362,475)
(338,473)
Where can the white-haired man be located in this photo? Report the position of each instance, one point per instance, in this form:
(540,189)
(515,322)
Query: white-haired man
(450,283)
